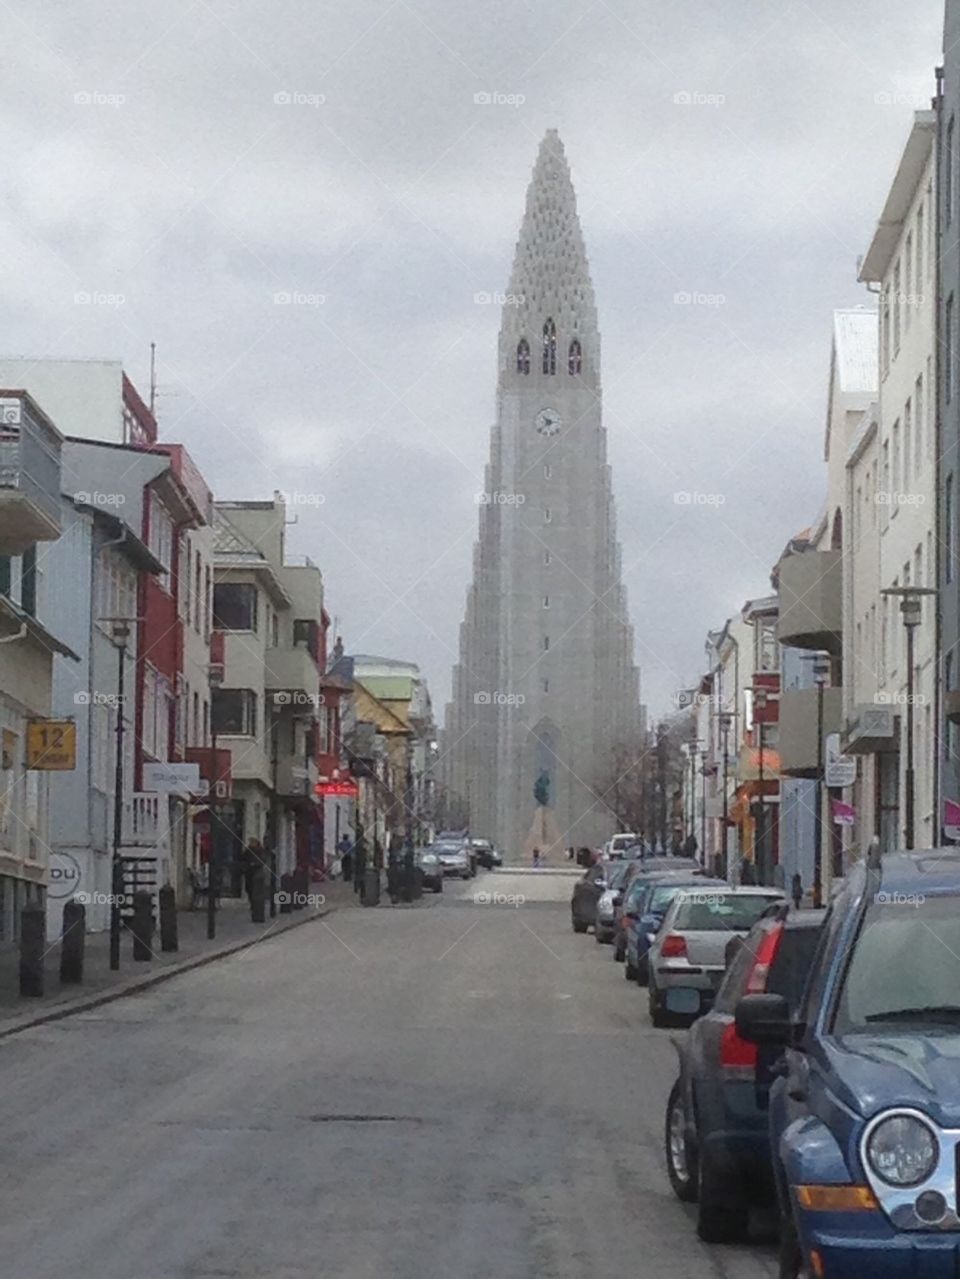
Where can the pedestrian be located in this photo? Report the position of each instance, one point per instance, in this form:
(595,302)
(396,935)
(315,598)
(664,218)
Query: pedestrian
(796,890)
(570,853)
(345,849)
(251,860)
(536,857)
(748,875)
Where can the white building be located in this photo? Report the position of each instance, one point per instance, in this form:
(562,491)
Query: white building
(891,496)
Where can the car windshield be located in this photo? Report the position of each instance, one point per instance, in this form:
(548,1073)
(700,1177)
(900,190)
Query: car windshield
(662,896)
(905,965)
(716,912)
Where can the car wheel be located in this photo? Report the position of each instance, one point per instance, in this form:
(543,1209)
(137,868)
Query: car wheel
(681,1158)
(720,1218)
(657,1015)
(791,1259)
(642,972)
(619,952)
(579,926)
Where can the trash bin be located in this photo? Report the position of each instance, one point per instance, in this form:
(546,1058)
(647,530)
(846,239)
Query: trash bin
(371,888)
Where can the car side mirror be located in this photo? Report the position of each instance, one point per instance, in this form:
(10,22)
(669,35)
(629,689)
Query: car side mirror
(765,1019)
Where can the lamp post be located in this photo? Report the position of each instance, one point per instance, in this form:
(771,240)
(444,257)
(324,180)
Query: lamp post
(821,673)
(703,807)
(760,810)
(911,608)
(215,680)
(120,634)
(725,719)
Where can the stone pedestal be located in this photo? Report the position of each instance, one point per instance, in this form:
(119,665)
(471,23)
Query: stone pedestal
(545,835)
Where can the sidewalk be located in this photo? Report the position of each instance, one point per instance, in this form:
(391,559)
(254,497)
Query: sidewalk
(235,931)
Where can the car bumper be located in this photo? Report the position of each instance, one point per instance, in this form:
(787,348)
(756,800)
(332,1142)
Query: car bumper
(703,982)
(870,1246)
(456,870)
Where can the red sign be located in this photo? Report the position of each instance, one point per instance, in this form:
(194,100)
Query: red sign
(346,787)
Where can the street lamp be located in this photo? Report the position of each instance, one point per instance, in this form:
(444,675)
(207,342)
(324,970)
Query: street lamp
(120,634)
(215,675)
(760,810)
(821,673)
(725,720)
(911,608)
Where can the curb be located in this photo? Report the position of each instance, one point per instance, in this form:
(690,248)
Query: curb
(135,984)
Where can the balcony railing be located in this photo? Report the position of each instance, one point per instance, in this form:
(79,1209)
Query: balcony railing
(29,478)
(811,601)
(146,820)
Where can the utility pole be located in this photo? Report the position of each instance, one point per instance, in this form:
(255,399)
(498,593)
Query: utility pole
(725,718)
(911,602)
(120,633)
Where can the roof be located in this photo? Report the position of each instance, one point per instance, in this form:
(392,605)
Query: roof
(856,350)
(388,688)
(930,869)
(913,161)
(234,550)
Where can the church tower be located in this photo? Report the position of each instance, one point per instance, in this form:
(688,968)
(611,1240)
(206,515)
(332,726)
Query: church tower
(545,687)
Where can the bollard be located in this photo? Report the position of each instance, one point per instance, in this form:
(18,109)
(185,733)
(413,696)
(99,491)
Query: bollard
(258,901)
(72,937)
(272,884)
(371,888)
(301,886)
(168,918)
(286,894)
(33,924)
(417,883)
(141,927)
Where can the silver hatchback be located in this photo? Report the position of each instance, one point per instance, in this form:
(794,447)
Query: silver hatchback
(688,957)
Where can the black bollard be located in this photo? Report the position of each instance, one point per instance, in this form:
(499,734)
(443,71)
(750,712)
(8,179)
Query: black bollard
(168,918)
(417,883)
(371,888)
(72,937)
(301,886)
(142,927)
(33,926)
(285,896)
(258,902)
(272,884)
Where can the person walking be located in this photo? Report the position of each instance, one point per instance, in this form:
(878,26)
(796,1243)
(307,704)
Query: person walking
(345,849)
(252,859)
(536,858)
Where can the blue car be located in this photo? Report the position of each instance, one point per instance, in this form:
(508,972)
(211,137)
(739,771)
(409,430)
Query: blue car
(643,914)
(865,1122)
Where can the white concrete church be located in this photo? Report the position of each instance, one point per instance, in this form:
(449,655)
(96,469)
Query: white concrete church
(545,689)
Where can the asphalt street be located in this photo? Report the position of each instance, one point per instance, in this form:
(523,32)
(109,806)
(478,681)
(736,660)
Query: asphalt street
(456,1089)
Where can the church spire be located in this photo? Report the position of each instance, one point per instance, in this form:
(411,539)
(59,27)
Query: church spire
(550,269)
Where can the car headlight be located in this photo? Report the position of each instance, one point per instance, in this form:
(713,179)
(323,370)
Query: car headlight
(902,1150)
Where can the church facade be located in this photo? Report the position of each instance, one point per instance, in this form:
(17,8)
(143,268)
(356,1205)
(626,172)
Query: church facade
(545,690)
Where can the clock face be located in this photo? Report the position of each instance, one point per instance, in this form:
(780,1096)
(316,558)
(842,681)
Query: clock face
(549,422)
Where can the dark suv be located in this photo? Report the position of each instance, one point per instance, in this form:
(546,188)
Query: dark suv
(865,1125)
(717,1126)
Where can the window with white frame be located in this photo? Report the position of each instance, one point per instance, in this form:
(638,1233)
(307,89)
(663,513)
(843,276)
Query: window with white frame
(161,537)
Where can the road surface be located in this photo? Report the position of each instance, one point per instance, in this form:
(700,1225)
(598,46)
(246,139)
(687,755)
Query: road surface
(463,1089)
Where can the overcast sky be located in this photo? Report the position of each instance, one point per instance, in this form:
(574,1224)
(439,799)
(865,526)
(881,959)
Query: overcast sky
(144,155)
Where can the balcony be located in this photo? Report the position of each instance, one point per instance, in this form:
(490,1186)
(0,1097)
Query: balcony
(29,477)
(295,778)
(798,727)
(811,601)
(146,820)
(293,678)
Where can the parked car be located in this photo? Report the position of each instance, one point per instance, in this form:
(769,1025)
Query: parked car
(486,854)
(717,1123)
(654,893)
(460,838)
(429,863)
(865,1121)
(615,848)
(454,859)
(605,920)
(687,958)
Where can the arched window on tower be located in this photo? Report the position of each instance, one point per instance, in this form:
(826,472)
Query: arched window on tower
(549,347)
(574,359)
(523,356)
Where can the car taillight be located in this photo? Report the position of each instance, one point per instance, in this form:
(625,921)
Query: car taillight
(674,947)
(766,954)
(736,1055)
